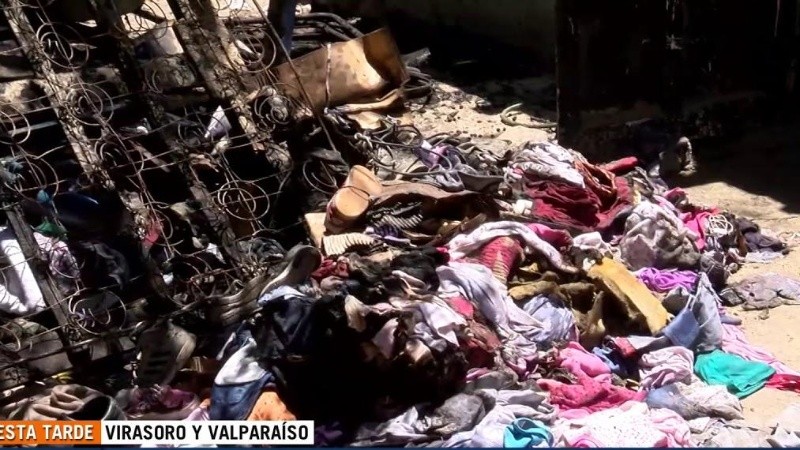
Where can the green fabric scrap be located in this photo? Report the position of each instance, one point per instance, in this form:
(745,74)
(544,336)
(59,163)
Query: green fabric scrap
(739,376)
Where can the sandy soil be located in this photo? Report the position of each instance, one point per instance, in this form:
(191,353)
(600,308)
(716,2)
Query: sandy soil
(754,180)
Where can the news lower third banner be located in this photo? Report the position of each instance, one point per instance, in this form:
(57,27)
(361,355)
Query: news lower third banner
(157,432)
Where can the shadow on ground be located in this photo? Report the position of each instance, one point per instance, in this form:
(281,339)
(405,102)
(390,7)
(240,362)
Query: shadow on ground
(766,163)
(500,74)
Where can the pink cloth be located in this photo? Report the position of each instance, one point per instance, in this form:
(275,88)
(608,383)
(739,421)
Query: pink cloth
(784,382)
(461,306)
(556,238)
(666,366)
(580,362)
(674,193)
(696,221)
(630,425)
(587,396)
(734,341)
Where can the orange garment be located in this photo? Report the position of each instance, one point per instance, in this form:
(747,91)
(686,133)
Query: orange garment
(270,407)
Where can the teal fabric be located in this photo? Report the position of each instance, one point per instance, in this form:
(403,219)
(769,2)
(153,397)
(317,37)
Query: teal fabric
(740,376)
(527,433)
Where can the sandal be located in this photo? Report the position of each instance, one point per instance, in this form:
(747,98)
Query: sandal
(352,200)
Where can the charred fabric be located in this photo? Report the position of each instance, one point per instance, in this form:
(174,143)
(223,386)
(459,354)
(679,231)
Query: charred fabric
(217,209)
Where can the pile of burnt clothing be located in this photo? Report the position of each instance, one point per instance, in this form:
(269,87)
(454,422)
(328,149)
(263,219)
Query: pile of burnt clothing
(540,300)
(580,293)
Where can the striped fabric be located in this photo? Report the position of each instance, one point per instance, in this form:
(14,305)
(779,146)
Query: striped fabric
(339,244)
(501,256)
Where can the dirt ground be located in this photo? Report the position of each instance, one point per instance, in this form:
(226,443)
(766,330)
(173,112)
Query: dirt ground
(753,179)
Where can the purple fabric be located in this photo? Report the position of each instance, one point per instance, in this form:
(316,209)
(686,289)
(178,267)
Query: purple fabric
(666,280)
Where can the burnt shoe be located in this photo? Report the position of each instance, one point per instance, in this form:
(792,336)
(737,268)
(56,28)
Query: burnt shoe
(403,216)
(248,293)
(301,262)
(157,403)
(352,200)
(101,407)
(164,350)
(478,182)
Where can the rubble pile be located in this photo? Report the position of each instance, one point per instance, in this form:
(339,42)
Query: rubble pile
(202,226)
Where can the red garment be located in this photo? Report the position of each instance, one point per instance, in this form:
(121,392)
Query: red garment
(784,382)
(584,209)
(330,268)
(480,344)
(445,253)
(478,341)
(154,231)
(621,166)
(624,347)
(675,195)
(588,394)
(557,238)
(602,182)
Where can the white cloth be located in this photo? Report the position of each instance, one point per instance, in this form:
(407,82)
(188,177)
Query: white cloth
(713,401)
(589,248)
(509,406)
(442,320)
(665,366)
(62,262)
(464,244)
(19,292)
(546,161)
(241,367)
(631,424)
(656,237)
(438,327)
(594,242)
(786,432)
(516,328)
(477,284)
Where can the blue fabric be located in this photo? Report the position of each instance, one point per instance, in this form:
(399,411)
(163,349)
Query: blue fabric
(558,321)
(236,340)
(288,23)
(279,292)
(77,208)
(527,433)
(683,329)
(283,19)
(236,401)
(619,365)
(739,376)
(698,326)
(239,381)
(669,397)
